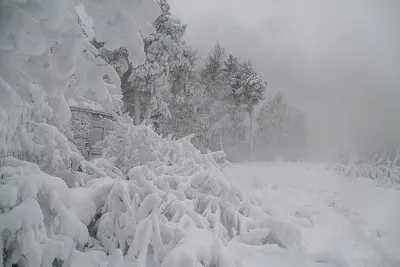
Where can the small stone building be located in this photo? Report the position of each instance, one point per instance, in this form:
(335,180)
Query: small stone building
(89,127)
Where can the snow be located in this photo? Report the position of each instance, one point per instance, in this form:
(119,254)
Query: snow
(82,204)
(87,22)
(344,222)
(153,201)
(200,247)
(148,200)
(180,208)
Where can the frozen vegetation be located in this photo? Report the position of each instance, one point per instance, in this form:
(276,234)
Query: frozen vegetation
(154,200)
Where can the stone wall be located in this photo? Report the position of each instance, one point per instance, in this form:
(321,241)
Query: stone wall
(80,125)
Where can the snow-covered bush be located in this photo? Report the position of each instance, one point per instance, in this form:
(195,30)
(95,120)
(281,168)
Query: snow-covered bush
(177,208)
(128,146)
(171,191)
(38,222)
(43,142)
(379,167)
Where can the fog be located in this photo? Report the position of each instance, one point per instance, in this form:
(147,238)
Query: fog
(339,61)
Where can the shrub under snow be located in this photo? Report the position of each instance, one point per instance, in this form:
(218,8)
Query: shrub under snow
(149,201)
(379,168)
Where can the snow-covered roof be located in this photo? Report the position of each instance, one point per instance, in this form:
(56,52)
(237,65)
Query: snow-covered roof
(91,111)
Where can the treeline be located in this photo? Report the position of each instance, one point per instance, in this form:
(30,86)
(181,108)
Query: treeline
(215,98)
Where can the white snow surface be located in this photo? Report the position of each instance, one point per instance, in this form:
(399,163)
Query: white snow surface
(343,222)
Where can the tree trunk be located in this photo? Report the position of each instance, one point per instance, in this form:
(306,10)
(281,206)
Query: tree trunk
(251,135)
(221,141)
(237,142)
(136,103)
(148,108)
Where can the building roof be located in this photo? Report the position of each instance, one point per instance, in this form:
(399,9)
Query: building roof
(91,111)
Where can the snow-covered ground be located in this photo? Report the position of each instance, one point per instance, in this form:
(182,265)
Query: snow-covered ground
(343,222)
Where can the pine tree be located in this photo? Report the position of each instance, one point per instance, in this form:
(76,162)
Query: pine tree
(231,72)
(216,109)
(248,90)
(165,50)
(185,103)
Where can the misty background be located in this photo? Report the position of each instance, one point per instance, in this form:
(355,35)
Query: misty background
(338,61)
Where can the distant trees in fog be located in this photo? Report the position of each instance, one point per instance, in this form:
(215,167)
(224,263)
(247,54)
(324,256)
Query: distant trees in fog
(281,132)
(214,98)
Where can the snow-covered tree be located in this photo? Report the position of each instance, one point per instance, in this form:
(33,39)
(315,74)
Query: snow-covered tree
(236,109)
(165,50)
(185,102)
(248,89)
(200,101)
(119,60)
(47,64)
(204,101)
(217,107)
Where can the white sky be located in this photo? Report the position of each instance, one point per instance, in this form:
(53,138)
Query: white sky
(339,60)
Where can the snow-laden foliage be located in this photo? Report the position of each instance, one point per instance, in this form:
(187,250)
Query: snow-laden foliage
(169,205)
(182,189)
(218,110)
(38,222)
(382,168)
(44,59)
(120,23)
(248,90)
(213,98)
(248,87)
(165,50)
(43,143)
(47,64)
(191,103)
(118,59)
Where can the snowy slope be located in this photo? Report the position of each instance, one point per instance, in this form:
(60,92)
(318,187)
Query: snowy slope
(343,222)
